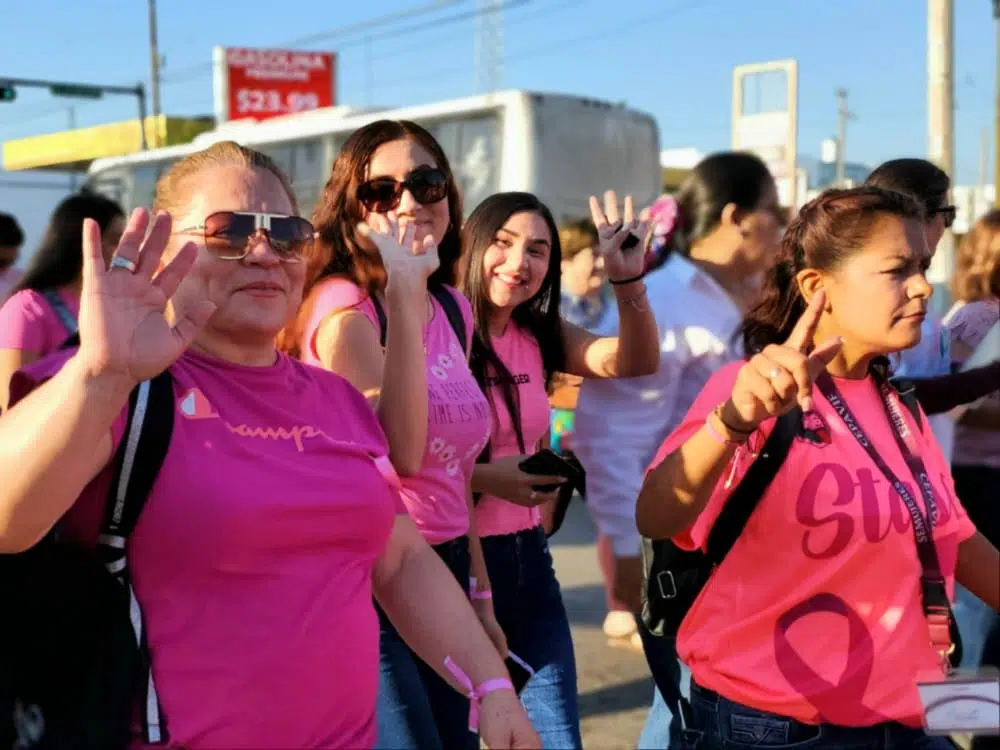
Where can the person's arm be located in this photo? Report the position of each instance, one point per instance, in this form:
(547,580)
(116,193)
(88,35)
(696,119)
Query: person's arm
(11,360)
(978,569)
(634,352)
(430,611)
(946,392)
(65,423)
(348,344)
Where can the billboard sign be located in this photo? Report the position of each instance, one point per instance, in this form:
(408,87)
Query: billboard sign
(765,120)
(258,84)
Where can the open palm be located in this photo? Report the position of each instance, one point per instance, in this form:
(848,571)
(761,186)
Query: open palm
(123,327)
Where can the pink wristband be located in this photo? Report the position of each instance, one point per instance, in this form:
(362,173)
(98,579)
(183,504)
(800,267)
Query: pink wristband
(475,594)
(476,695)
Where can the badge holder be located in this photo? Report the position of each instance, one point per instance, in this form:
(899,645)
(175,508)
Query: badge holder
(966,701)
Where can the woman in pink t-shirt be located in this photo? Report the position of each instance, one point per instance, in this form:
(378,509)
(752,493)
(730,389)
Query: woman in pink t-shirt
(275,515)
(511,264)
(812,631)
(40,313)
(381,311)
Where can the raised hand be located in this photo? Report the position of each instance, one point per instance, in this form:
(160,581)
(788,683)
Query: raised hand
(123,330)
(621,238)
(780,376)
(404,258)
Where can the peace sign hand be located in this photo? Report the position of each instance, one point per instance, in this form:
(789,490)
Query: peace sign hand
(405,259)
(621,239)
(123,330)
(771,382)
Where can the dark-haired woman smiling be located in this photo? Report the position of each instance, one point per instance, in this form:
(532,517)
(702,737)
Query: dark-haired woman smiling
(813,632)
(511,261)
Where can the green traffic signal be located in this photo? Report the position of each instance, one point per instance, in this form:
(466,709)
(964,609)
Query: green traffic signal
(7,93)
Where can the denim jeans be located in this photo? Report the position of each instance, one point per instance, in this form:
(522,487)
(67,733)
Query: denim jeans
(721,723)
(663,726)
(529,607)
(416,709)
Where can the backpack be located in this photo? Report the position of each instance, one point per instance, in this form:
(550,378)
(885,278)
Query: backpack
(73,662)
(448,303)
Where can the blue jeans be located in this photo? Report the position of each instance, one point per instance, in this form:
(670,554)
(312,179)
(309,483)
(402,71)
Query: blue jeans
(529,608)
(663,726)
(416,709)
(721,723)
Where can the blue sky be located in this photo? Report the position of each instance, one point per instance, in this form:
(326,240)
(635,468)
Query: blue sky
(672,58)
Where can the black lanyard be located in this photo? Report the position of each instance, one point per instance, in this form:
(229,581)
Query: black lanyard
(935,595)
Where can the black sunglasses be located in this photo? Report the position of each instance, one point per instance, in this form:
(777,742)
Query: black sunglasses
(383,194)
(948,212)
(228,234)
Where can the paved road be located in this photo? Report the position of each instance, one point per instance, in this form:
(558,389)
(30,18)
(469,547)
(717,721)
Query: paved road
(615,687)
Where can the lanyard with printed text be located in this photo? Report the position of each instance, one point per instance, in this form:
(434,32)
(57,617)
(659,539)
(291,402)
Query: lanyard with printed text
(937,608)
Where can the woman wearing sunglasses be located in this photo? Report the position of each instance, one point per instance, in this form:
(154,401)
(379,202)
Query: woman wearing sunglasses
(274,516)
(511,265)
(380,311)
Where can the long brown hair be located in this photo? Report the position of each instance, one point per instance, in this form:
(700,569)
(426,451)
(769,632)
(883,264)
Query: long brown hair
(977,262)
(828,230)
(336,250)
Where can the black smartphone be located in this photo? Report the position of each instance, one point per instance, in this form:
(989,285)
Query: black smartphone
(519,671)
(548,463)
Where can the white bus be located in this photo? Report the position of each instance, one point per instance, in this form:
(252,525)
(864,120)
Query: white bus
(561,148)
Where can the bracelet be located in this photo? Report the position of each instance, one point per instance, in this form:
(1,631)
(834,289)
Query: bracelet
(717,411)
(476,695)
(476,594)
(636,301)
(716,435)
(623,282)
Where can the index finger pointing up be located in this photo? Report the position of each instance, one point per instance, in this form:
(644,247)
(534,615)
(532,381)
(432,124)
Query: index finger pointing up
(596,214)
(801,338)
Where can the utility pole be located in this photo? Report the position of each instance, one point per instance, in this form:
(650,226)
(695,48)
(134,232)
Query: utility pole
(844,114)
(996,119)
(489,44)
(941,116)
(154,61)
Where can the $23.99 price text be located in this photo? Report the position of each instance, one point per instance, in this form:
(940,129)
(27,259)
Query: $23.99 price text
(271,102)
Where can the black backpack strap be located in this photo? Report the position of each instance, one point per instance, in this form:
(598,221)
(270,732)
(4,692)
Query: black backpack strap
(451,309)
(383,322)
(137,463)
(448,303)
(907,393)
(742,503)
(67,318)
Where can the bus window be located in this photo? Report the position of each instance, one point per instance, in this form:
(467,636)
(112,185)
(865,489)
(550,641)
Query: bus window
(144,177)
(476,160)
(310,173)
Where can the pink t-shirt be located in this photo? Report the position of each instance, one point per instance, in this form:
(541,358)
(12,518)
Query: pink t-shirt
(969,323)
(252,560)
(519,351)
(816,612)
(28,322)
(458,422)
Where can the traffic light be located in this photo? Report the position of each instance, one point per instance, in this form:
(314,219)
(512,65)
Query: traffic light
(7,93)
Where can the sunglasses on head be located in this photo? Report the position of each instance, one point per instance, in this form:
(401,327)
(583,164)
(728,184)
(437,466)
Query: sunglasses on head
(383,194)
(948,212)
(228,234)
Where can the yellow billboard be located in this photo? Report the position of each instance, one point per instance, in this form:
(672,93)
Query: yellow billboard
(71,150)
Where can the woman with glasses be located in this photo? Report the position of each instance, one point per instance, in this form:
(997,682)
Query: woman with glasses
(381,311)
(275,514)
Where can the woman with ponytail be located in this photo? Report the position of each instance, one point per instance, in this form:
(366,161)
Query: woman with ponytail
(859,526)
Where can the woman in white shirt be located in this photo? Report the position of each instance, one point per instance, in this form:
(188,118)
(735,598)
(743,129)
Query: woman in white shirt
(727,227)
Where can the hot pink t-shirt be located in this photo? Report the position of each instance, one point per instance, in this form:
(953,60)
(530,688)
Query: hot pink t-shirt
(28,322)
(458,415)
(816,612)
(252,560)
(519,351)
